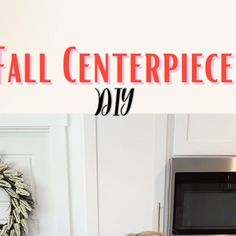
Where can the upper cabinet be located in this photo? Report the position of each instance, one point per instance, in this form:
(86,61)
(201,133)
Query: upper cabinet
(205,134)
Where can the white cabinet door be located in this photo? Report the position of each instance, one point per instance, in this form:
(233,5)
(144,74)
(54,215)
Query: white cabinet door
(130,159)
(36,145)
(205,134)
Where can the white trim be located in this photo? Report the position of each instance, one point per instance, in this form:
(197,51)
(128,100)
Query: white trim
(169,154)
(24,129)
(77,175)
(91,176)
(33,120)
(159,168)
(58,149)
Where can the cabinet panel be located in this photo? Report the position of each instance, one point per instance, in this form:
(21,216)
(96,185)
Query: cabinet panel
(28,153)
(131,171)
(205,134)
(38,149)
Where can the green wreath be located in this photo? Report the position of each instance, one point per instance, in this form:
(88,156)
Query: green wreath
(21,202)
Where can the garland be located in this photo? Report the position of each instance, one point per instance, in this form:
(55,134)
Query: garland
(21,202)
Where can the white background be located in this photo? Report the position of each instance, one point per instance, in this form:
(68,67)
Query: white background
(115,26)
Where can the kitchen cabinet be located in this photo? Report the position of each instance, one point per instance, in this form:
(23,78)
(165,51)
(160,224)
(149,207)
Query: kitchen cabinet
(204,134)
(129,162)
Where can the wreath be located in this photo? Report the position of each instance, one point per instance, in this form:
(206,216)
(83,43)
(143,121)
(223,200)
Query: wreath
(21,202)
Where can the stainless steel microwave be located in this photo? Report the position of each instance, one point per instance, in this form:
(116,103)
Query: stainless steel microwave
(202,196)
